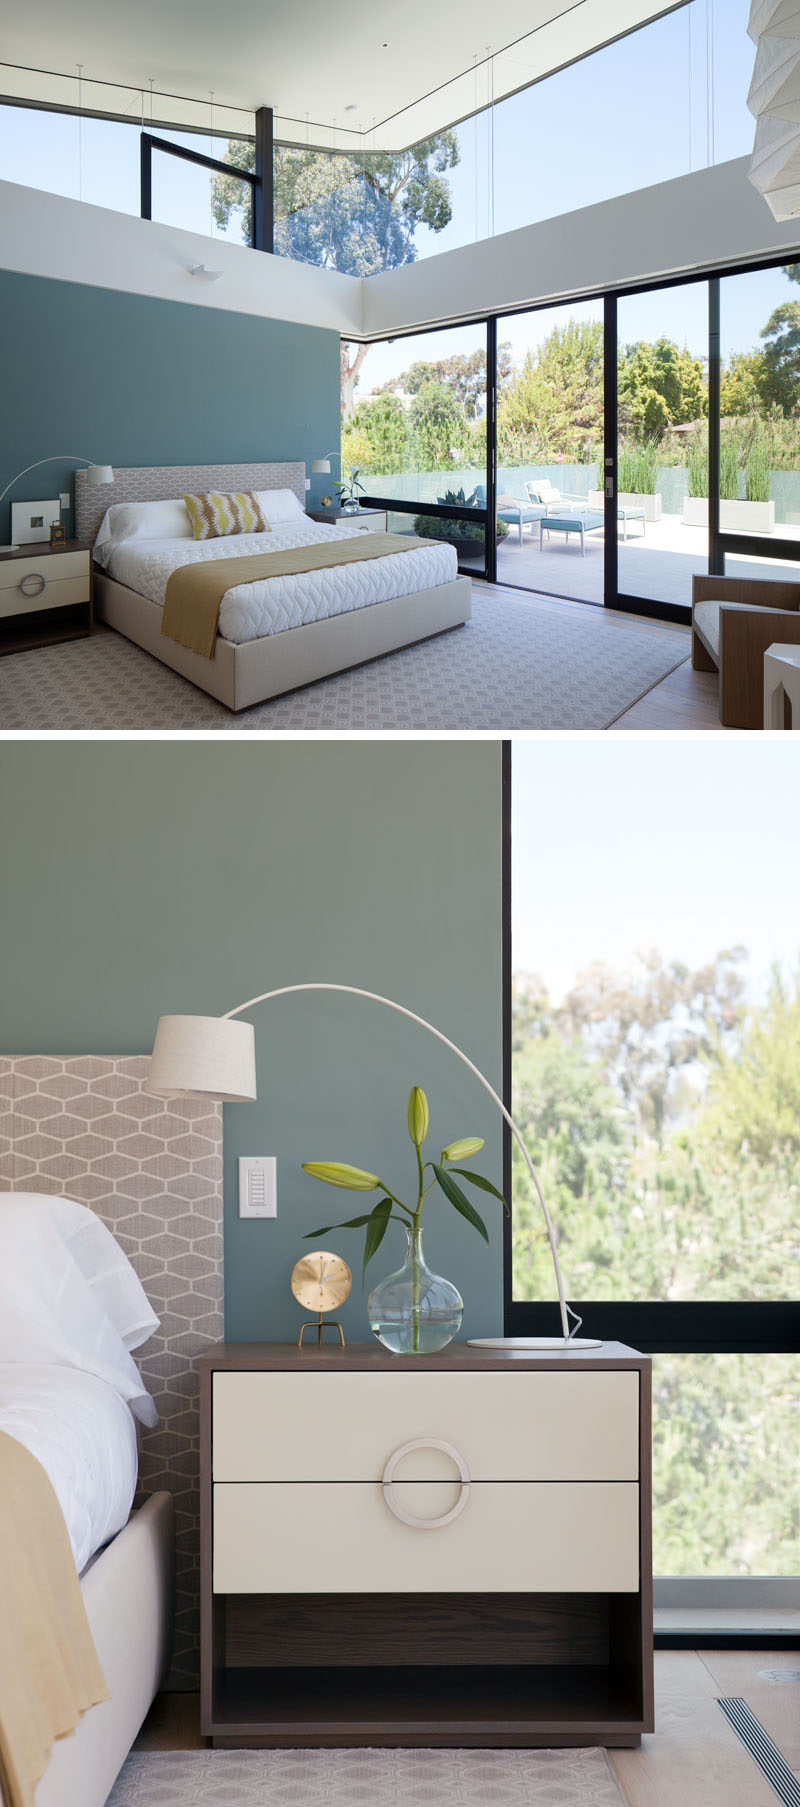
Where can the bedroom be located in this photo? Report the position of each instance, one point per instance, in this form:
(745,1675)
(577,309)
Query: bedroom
(163,1306)
(347,274)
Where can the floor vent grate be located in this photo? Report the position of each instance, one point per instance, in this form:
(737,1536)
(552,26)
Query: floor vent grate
(762,1750)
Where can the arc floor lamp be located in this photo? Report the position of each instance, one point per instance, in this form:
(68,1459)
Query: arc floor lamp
(214,1057)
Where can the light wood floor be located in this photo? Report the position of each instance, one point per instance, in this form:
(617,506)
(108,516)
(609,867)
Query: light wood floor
(693,1759)
(684,700)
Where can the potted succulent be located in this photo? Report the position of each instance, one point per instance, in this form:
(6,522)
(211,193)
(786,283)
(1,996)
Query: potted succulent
(467,537)
(349,490)
(413,1312)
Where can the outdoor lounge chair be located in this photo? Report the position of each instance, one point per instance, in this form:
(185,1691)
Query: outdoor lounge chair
(734,621)
(540,490)
(519,514)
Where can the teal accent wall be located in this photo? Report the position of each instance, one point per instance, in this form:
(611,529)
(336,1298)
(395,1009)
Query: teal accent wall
(128,379)
(153,877)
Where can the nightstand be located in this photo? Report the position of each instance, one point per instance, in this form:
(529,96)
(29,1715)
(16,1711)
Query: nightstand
(45,594)
(368,520)
(452,1550)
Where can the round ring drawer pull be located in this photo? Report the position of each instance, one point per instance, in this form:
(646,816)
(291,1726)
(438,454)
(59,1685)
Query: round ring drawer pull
(407,1518)
(32,584)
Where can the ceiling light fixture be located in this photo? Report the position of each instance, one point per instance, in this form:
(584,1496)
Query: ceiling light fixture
(204,272)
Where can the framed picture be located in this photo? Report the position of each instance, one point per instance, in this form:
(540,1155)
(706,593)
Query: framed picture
(31,521)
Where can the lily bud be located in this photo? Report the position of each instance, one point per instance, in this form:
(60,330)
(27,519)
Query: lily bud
(418,1115)
(337,1173)
(461,1151)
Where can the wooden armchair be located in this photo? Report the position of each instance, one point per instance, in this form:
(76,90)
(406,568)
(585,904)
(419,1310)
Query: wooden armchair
(734,620)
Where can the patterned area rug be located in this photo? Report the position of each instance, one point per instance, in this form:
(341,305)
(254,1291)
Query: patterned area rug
(350,1778)
(515,665)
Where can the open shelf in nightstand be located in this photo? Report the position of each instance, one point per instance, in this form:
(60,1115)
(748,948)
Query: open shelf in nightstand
(471,1669)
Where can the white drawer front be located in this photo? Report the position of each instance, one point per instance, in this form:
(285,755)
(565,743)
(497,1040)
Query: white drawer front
(58,594)
(528,1426)
(53,567)
(517,1537)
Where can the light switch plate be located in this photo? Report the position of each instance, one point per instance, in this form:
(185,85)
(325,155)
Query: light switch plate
(258,1185)
(64,499)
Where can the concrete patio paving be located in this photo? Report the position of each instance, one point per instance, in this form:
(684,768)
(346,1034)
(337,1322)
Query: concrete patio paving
(659,566)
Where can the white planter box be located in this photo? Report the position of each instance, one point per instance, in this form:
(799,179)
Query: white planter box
(734,517)
(650,504)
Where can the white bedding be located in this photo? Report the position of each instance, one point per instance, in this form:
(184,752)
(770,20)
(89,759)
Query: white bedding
(84,1435)
(254,610)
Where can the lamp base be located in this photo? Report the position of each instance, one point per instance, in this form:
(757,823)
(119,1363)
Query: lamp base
(534,1342)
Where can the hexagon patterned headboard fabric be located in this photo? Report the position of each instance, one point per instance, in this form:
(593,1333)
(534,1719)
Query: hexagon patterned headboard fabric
(151,1168)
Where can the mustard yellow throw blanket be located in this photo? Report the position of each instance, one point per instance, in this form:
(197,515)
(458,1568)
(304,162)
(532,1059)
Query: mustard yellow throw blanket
(194,592)
(49,1672)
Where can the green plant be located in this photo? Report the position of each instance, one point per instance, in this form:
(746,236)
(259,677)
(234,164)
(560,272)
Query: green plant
(757,474)
(729,471)
(349,488)
(637,468)
(376,1222)
(450,527)
(697,466)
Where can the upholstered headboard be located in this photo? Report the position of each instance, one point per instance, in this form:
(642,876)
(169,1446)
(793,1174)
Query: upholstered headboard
(161,482)
(85,1127)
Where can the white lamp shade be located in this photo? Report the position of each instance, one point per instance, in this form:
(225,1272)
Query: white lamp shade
(100,473)
(203,1057)
(321,467)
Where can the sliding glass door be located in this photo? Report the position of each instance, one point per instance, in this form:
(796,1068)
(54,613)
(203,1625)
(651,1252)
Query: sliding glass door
(549,482)
(662,443)
(414,425)
(602,450)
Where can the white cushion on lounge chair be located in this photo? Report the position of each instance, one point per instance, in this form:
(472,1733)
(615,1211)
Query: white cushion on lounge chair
(706,618)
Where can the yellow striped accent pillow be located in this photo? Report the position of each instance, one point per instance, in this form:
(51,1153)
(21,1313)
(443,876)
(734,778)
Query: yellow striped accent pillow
(214,515)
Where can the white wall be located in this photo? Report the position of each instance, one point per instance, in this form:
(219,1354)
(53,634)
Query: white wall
(711,217)
(47,235)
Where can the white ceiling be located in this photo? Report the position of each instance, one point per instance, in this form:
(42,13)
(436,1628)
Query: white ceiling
(315,59)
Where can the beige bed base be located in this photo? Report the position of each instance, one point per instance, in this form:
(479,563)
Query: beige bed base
(240,676)
(127,1592)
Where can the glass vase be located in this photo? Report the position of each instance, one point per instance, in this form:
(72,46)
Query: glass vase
(414,1312)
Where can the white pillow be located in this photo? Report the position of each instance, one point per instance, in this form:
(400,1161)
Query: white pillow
(279,505)
(141,521)
(69,1295)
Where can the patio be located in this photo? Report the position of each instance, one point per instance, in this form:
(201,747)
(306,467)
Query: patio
(659,566)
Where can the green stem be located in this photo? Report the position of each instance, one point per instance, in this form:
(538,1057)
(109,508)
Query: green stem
(415,1249)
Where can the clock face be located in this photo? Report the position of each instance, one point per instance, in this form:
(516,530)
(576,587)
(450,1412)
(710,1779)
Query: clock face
(321,1281)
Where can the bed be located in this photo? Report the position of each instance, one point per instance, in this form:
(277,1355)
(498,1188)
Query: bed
(286,632)
(84,1125)
(72,1310)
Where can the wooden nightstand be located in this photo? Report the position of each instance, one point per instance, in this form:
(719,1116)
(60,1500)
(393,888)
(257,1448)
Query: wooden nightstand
(45,594)
(367,520)
(335,1609)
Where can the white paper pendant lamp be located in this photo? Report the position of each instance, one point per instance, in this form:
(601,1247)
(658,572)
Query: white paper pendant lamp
(774,99)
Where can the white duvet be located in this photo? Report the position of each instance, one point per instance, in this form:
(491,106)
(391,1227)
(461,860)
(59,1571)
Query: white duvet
(251,611)
(84,1435)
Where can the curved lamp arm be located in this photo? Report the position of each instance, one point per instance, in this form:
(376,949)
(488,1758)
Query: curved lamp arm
(375,998)
(56,458)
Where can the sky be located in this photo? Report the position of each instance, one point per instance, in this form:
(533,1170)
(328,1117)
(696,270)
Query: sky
(690,847)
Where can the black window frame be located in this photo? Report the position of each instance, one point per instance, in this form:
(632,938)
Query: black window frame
(720,544)
(657,1327)
(260,180)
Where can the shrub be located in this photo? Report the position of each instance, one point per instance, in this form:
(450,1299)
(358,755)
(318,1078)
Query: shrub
(697,466)
(729,471)
(637,468)
(757,474)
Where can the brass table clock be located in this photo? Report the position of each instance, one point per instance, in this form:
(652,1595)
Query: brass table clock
(320,1282)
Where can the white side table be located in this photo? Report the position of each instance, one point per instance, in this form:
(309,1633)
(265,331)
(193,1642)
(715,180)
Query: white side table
(781,682)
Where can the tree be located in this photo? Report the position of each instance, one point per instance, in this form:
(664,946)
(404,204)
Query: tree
(780,383)
(555,401)
(464,373)
(660,386)
(343,211)
(438,427)
(743,384)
